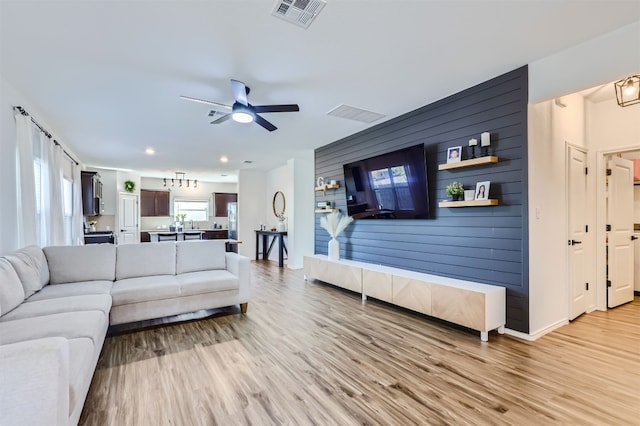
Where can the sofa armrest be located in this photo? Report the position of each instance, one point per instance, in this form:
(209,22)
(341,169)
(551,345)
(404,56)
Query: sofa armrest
(35,382)
(240,267)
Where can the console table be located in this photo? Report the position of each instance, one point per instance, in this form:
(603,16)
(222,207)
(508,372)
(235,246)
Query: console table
(274,235)
(474,305)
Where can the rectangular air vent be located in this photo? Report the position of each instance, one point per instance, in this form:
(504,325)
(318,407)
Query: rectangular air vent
(298,12)
(357,114)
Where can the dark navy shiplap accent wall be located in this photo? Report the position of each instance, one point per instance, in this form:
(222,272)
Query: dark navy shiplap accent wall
(481,244)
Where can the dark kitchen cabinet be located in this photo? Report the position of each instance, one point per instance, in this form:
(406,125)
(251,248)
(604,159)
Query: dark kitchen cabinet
(91,193)
(145,237)
(215,234)
(220,201)
(154,203)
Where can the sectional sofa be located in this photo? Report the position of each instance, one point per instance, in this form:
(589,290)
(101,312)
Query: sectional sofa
(57,303)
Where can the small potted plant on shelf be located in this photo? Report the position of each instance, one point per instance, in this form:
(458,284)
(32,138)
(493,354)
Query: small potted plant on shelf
(455,190)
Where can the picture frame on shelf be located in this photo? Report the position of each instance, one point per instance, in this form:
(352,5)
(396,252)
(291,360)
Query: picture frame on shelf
(482,190)
(454,154)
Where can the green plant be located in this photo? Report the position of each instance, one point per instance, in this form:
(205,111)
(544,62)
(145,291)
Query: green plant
(455,188)
(129,185)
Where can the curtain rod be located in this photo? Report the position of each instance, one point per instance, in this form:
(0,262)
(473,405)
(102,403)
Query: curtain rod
(46,133)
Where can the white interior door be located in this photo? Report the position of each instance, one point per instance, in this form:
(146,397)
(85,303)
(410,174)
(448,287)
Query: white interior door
(620,243)
(128,218)
(577,189)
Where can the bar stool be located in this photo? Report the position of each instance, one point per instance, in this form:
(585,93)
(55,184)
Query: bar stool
(192,235)
(168,236)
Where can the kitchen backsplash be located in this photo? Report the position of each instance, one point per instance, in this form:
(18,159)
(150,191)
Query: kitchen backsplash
(151,223)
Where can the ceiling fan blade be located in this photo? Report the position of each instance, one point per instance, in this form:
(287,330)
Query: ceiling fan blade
(264,123)
(239,92)
(277,108)
(221,119)
(220,106)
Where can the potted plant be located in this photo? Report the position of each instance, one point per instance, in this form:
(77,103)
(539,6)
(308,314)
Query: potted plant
(455,190)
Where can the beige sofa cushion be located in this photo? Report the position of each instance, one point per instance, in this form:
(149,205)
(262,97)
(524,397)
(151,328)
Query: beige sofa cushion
(202,255)
(11,290)
(31,266)
(70,264)
(72,289)
(143,260)
(90,302)
(207,282)
(35,382)
(72,325)
(142,289)
(81,355)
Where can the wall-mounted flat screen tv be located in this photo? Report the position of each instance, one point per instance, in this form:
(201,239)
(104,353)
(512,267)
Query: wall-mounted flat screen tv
(388,186)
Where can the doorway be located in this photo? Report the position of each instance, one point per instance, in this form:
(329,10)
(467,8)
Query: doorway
(127,218)
(618,212)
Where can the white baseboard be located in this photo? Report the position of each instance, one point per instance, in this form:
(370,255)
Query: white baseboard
(538,334)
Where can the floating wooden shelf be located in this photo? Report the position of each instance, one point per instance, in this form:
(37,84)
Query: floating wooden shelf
(472,203)
(469,163)
(327,210)
(325,187)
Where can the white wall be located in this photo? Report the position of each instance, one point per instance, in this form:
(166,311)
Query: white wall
(609,57)
(301,214)
(251,212)
(296,181)
(551,128)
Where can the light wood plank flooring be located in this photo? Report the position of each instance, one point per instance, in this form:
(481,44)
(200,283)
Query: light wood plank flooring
(311,354)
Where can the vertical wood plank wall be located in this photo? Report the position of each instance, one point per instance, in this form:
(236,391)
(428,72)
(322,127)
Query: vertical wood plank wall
(482,244)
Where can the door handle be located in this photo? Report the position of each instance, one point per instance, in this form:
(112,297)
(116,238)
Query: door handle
(633,238)
(574,242)
(123,230)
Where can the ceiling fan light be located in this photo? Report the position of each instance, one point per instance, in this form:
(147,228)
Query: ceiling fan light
(242,117)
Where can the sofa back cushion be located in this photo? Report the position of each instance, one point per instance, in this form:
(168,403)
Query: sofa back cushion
(11,291)
(142,260)
(205,255)
(32,268)
(71,264)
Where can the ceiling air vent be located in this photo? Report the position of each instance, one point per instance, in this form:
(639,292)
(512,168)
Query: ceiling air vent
(299,12)
(357,114)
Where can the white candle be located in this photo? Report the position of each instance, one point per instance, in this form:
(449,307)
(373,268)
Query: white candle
(473,142)
(485,139)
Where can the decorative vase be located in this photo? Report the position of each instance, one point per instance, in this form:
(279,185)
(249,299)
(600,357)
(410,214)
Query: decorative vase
(334,249)
(455,197)
(281,227)
(92,228)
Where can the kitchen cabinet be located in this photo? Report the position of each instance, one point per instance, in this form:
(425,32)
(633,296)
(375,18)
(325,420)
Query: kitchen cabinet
(154,203)
(145,237)
(215,234)
(91,193)
(220,201)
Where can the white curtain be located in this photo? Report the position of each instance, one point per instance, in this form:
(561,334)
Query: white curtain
(77,221)
(25,180)
(52,203)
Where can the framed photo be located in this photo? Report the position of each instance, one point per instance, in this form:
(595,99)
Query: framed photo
(454,154)
(482,190)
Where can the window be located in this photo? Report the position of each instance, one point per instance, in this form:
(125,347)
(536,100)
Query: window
(391,187)
(195,210)
(67,197)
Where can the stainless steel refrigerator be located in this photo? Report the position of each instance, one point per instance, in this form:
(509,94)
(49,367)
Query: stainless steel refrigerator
(232,209)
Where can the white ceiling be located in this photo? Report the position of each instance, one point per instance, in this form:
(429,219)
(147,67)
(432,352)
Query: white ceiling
(108,74)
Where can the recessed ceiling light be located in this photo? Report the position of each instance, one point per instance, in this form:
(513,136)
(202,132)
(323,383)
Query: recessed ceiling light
(149,151)
(224,159)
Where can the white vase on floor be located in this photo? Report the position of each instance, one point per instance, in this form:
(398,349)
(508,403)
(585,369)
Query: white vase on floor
(334,249)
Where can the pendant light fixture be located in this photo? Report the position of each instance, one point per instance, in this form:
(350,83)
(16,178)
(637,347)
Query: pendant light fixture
(628,91)
(180,177)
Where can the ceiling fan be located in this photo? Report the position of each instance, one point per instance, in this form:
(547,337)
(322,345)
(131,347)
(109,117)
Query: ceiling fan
(241,110)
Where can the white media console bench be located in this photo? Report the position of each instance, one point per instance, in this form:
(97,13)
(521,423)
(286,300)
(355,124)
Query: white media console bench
(477,306)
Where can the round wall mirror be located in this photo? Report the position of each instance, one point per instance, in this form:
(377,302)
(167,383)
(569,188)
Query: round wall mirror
(279,204)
